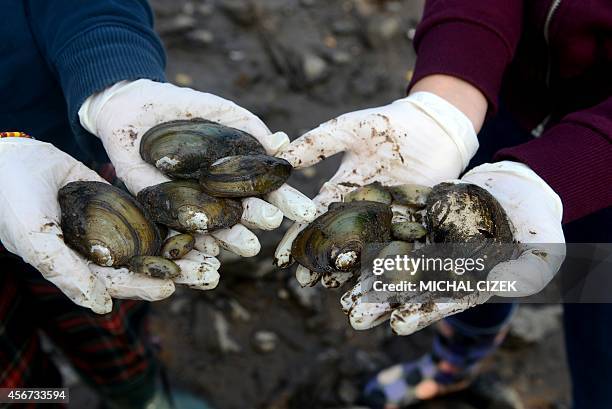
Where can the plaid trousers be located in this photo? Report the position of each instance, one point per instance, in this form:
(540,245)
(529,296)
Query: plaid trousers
(109,351)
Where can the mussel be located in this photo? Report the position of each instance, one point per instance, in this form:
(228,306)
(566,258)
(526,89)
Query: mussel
(410,195)
(408,231)
(183,206)
(465,212)
(181,149)
(374,192)
(106,224)
(153,266)
(334,241)
(245,175)
(469,222)
(177,246)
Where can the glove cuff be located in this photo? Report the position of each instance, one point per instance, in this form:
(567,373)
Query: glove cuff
(454,122)
(524,174)
(93,105)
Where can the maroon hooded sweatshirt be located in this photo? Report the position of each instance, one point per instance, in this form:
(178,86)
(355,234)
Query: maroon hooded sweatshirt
(551,63)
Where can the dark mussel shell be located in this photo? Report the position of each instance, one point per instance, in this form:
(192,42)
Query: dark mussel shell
(106,224)
(471,222)
(245,175)
(334,241)
(183,206)
(180,149)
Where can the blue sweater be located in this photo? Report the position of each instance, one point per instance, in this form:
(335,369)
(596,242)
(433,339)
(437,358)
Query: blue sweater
(56,53)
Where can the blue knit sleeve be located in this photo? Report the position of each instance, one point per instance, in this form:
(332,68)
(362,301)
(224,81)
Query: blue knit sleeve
(90,45)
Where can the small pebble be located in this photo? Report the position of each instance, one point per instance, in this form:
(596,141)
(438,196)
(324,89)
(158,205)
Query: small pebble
(265,341)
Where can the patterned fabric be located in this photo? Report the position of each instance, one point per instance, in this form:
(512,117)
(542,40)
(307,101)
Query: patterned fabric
(15,135)
(459,347)
(107,350)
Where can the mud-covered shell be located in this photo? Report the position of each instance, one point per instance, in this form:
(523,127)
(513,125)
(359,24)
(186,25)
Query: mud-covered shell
(464,212)
(153,266)
(411,195)
(180,149)
(471,223)
(374,192)
(177,246)
(245,176)
(183,206)
(106,224)
(334,241)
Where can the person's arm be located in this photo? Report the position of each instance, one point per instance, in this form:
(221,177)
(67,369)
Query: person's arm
(463,95)
(473,41)
(575,158)
(91,45)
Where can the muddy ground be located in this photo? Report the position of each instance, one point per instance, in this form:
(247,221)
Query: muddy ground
(257,341)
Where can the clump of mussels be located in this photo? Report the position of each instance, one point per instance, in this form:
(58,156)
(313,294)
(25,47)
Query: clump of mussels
(466,218)
(211,163)
(226,161)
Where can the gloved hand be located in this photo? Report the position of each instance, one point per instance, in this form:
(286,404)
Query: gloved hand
(121,114)
(31,173)
(535,212)
(419,139)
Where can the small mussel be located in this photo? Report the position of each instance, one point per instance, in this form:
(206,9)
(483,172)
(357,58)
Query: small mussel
(106,224)
(408,231)
(153,266)
(374,192)
(410,195)
(245,175)
(177,246)
(334,241)
(180,149)
(183,206)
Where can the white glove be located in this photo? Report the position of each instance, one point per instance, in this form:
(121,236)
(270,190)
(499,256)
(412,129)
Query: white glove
(419,139)
(121,114)
(535,212)
(31,173)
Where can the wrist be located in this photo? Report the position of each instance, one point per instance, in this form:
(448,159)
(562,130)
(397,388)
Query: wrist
(454,123)
(461,94)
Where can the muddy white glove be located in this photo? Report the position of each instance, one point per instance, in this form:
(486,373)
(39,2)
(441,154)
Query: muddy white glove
(535,212)
(121,114)
(420,139)
(31,173)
